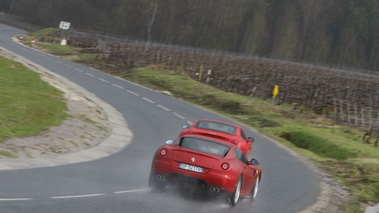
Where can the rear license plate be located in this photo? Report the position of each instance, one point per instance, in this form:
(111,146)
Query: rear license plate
(191,168)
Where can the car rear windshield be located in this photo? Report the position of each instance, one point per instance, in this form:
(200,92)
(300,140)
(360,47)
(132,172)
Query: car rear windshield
(206,146)
(216,126)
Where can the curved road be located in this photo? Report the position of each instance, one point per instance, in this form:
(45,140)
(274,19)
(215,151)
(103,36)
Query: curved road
(118,183)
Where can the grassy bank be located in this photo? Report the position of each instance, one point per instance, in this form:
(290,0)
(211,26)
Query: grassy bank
(335,148)
(28,105)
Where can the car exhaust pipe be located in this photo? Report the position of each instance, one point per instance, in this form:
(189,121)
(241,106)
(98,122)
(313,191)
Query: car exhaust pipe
(160,177)
(214,189)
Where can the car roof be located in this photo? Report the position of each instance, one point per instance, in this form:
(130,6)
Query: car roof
(210,139)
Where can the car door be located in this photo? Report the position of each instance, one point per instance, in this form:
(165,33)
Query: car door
(249,173)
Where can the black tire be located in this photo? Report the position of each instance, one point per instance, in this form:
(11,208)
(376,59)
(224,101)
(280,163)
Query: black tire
(233,199)
(156,184)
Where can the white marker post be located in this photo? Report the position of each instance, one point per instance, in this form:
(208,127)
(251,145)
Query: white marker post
(64,25)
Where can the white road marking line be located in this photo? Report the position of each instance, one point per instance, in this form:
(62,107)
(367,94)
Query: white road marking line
(176,114)
(103,80)
(130,191)
(79,70)
(136,94)
(148,100)
(89,74)
(190,122)
(118,86)
(76,196)
(164,108)
(14,199)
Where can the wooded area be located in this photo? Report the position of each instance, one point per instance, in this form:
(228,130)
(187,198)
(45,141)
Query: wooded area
(341,33)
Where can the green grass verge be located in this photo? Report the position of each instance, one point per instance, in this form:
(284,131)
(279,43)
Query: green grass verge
(28,105)
(335,148)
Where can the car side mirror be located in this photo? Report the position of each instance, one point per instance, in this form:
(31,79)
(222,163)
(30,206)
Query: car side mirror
(185,126)
(169,142)
(254,161)
(250,139)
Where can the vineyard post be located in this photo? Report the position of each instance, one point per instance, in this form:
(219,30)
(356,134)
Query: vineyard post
(348,113)
(335,110)
(355,115)
(169,59)
(341,109)
(157,57)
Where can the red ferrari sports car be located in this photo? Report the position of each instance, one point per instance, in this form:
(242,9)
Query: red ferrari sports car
(221,130)
(206,164)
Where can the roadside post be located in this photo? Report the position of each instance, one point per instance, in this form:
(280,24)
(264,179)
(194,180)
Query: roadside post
(33,41)
(275,93)
(64,42)
(201,72)
(64,25)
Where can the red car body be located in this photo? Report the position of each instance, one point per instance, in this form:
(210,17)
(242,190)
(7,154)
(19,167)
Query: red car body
(207,164)
(221,130)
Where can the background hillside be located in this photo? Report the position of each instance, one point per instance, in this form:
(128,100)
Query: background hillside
(342,33)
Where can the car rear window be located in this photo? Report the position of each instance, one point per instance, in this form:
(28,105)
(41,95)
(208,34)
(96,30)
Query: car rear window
(217,126)
(206,146)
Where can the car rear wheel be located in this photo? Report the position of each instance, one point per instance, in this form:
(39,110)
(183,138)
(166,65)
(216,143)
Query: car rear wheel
(155,183)
(255,190)
(233,199)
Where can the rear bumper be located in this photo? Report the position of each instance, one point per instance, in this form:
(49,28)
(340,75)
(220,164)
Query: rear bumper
(191,184)
(214,182)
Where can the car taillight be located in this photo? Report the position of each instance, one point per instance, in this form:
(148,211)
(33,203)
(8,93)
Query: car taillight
(163,152)
(225,166)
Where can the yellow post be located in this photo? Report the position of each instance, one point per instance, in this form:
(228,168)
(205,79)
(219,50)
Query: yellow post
(275,92)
